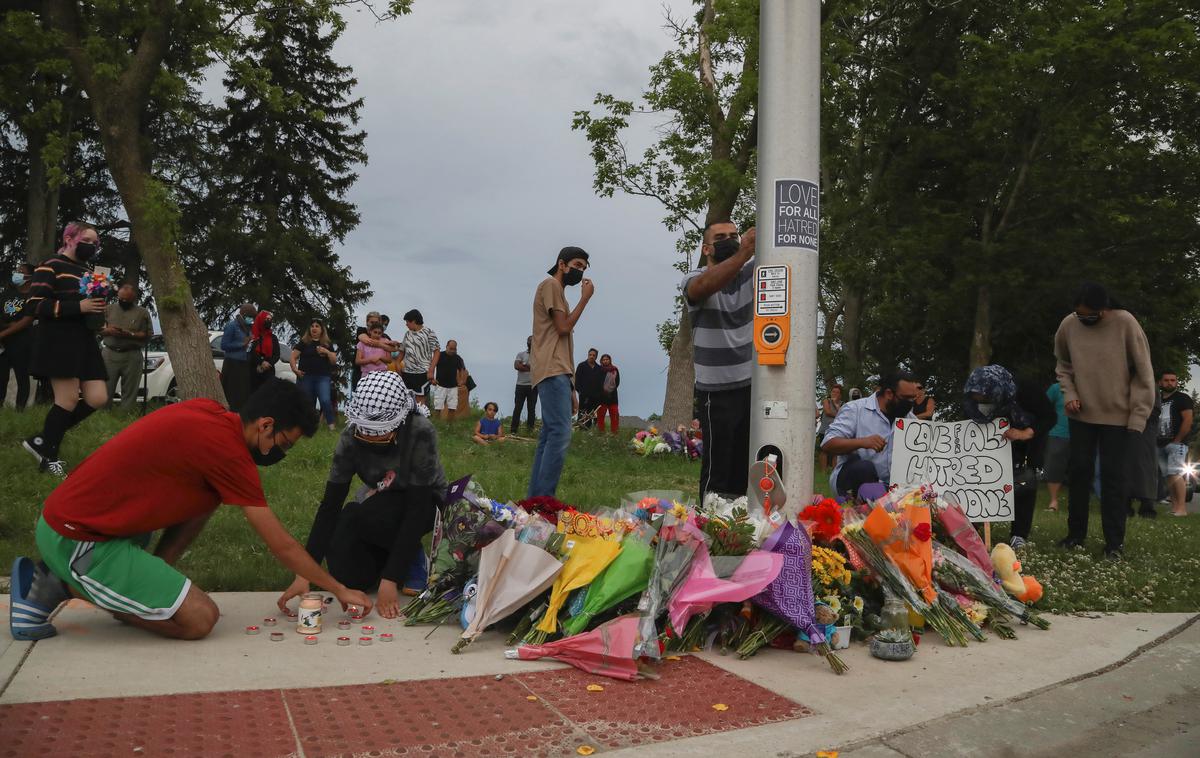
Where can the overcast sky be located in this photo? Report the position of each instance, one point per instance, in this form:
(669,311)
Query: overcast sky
(475,179)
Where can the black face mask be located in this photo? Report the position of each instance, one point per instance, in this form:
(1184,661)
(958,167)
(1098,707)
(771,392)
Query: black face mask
(125,305)
(269,458)
(572,277)
(899,408)
(84,251)
(724,249)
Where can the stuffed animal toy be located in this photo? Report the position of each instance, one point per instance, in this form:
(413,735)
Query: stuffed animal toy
(826,620)
(1008,568)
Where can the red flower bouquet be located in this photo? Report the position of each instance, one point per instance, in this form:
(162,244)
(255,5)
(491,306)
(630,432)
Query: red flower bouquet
(826,517)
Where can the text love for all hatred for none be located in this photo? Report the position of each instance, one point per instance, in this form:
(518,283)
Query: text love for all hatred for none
(969,463)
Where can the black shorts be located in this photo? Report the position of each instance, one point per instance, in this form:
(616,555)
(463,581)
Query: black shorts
(415,382)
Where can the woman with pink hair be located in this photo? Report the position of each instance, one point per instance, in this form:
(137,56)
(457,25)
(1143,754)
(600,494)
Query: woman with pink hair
(65,349)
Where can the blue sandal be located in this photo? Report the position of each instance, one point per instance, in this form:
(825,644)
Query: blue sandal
(27,620)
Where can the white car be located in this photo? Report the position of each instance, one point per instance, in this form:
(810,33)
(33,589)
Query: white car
(159,376)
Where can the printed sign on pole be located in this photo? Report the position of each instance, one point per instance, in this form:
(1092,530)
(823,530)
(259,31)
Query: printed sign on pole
(968,463)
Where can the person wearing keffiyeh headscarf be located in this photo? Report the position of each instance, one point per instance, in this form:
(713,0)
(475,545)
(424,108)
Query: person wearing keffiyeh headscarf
(991,392)
(374,540)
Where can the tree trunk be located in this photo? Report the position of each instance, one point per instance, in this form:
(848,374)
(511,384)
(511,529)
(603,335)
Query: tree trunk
(154,220)
(852,338)
(41,210)
(981,340)
(681,378)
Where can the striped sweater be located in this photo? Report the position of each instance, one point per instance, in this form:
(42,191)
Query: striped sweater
(54,290)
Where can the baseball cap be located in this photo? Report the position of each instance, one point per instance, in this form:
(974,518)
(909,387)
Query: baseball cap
(566,255)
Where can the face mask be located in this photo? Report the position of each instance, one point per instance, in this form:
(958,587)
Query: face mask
(249,320)
(724,249)
(269,458)
(1089,320)
(899,408)
(124,305)
(18,278)
(84,251)
(572,277)
(987,409)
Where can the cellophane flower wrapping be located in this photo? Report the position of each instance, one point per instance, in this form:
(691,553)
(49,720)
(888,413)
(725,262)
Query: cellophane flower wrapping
(790,595)
(964,534)
(626,576)
(721,579)
(608,650)
(589,546)
(678,540)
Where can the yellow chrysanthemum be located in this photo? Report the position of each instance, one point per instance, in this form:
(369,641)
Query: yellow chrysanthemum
(679,511)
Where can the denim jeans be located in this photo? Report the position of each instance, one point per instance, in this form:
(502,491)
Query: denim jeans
(318,388)
(555,437)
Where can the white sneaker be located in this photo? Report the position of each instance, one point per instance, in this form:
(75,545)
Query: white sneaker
(58,468)
(1016,543)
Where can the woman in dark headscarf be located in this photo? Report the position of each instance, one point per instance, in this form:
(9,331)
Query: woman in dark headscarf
(991,392)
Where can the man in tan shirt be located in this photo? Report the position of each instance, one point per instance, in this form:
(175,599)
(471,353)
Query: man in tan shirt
(553,365)
(126,329)
(1107,383)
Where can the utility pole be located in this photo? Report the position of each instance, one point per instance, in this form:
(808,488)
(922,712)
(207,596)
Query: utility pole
(783,392)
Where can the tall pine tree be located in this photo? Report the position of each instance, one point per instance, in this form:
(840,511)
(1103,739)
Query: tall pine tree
(287,149)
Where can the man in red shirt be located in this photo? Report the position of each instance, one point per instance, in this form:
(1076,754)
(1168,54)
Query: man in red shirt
(190,458)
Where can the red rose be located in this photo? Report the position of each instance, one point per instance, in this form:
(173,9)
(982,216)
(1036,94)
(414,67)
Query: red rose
(923,532)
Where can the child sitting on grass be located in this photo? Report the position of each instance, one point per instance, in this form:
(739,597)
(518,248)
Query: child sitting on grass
(489,427)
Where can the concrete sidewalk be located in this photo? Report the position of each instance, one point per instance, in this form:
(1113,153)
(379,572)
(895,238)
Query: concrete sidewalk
(976,695)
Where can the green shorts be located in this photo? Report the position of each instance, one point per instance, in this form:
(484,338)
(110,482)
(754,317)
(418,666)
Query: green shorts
(117,575)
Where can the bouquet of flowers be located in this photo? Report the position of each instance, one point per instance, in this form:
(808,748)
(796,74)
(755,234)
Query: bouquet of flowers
(945,622)
(825,515)
(626,576)
(678,540)
(545,506)
(95,284)
(462,530)
(959,574)
(790,596)
(587,553)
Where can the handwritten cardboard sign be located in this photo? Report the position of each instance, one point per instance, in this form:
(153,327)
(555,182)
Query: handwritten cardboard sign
(969,463)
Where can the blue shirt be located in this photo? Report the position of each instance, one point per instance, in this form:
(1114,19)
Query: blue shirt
(1061,428)
(862,418)
(233,340)
(489,425)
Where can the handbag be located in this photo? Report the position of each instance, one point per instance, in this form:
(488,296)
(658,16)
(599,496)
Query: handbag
(1025,480)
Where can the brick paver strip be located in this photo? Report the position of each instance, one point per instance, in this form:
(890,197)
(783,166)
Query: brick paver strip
(469,716)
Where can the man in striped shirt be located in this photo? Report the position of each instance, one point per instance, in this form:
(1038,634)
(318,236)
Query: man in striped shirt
(720,299)
(420,351)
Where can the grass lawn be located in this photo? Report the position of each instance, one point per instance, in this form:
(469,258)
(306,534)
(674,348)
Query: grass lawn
(1160,572)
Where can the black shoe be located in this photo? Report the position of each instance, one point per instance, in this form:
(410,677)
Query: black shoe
(1148,513)
(35,447)
(1113,554)
(1070,543)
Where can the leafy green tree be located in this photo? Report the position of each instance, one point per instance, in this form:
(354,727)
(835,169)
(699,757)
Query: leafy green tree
(132,58)
(287,152)
(700,167)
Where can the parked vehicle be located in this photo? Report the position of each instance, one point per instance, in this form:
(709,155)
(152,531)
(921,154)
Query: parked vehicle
(159,376)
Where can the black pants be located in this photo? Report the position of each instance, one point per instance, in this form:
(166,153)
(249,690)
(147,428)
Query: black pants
(235,380)
(725,424)
(16,361)
(1023,507)
(1112,442)
(854,474)
(378,538)
(526,396)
